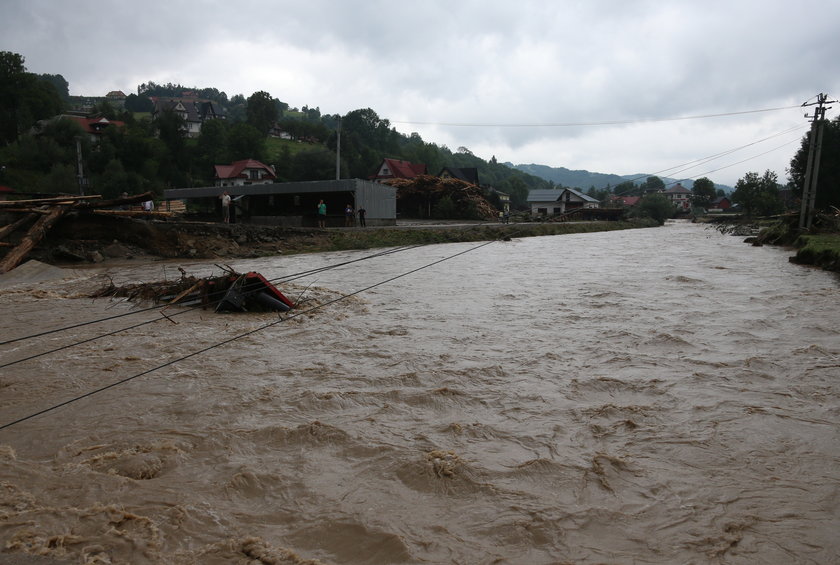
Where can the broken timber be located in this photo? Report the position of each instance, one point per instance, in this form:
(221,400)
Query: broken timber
(36,233)
(54,209)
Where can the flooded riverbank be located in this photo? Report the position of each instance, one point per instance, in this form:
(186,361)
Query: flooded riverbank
(642,396)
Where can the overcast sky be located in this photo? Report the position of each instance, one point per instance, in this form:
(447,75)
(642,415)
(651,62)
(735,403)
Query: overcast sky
(588,84)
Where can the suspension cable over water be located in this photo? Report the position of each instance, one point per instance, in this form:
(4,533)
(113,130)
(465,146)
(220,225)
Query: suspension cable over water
(240,336)
(286,278)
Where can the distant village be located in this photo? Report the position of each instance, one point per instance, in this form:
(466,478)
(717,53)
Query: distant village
(257,196)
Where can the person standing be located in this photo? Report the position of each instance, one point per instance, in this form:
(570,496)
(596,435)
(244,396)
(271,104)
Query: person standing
(322,214)
(349,217)
(225,197)
(362,213)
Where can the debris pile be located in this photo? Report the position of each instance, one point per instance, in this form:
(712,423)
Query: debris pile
(41,214)
(421,194)
(230,292)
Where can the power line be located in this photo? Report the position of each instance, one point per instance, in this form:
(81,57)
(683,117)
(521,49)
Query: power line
(286,278)
(704,160)
(587,124)
(239,336)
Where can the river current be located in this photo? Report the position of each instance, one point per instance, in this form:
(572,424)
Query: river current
(652,396)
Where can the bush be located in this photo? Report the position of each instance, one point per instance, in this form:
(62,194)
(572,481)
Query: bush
(654,206)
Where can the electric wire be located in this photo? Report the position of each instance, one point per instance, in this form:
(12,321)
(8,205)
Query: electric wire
(704,160)
(586,124)
(237,337)
(286,278)
(254,288)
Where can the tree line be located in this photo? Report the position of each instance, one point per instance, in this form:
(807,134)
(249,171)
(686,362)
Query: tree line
(41,154)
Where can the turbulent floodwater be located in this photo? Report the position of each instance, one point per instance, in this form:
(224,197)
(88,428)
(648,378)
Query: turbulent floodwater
(662,396)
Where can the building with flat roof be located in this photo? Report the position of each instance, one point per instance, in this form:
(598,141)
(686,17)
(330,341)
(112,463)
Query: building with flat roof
(294,204)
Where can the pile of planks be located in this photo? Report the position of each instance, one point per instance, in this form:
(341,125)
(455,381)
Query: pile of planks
(41,214)
(426,190)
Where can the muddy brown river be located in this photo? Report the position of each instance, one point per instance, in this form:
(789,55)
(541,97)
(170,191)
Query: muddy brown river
(651,396)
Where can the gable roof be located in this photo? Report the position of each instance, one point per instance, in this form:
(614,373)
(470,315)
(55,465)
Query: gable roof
(235,170)
(466,174)
(678,189)
(400,169)
(94,125)
(579,194)
(554,195)
(544,195)
(626,200)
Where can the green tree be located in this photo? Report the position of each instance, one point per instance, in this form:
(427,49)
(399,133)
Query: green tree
(758,195)
(703,192)
(139,103)
(313,165)
(828,176)
(24,98)
(656,206)
(211,147)
(518,191)
(62,87)
(627,188)
(653,184)
(261,111)
(246,142)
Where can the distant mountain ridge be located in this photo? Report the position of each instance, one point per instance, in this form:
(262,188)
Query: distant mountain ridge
(583,180)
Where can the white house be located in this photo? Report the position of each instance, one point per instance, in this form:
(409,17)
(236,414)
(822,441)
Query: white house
(556,202)
(680,197)
(247,171)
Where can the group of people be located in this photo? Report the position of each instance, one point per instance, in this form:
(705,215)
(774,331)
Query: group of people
(349,215)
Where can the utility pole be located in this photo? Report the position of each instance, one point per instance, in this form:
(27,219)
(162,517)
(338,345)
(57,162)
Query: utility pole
(812,168)
(338,151)
(81,174)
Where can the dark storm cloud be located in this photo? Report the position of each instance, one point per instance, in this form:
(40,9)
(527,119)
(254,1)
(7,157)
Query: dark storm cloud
(533,64)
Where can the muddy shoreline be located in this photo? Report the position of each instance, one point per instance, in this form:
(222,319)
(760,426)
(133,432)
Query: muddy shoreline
(85,238)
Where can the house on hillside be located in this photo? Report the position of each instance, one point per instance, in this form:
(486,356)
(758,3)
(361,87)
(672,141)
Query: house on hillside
(720,204)
(625,201)
(555,202)
(194,112)
(396,169)
(468,174)
(247,171)
(94,127)
(680,197)
(116,98)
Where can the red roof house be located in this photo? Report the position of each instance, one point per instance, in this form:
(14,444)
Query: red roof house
(95,126)
(396,169)
(247,171)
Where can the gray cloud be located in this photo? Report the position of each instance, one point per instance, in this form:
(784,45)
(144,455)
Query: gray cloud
(531,63)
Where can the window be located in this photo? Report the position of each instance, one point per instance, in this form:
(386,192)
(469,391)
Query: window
(254,174)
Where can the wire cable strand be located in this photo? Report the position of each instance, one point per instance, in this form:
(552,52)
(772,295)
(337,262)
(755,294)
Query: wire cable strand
(237,337)
(586,124)
(286,278)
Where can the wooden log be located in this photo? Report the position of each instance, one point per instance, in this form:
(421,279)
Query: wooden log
(11,228)
(116,201)
(35,234)
(51,201)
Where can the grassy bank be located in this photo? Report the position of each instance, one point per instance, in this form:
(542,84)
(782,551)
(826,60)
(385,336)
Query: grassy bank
(819,247)
(821,250)
(392,237)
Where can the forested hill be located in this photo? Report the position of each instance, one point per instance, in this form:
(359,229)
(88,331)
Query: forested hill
(584,180)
